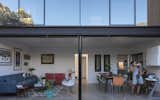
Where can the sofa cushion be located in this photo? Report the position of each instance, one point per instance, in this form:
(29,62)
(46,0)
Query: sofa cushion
(49,76)
(29,81)
(57,77)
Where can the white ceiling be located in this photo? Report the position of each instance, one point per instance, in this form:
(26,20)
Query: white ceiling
(119,42)
(110,42)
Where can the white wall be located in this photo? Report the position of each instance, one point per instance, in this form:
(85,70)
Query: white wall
(7,70)
(63,61)
(153,56)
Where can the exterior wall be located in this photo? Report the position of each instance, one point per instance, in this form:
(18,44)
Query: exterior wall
(153,12)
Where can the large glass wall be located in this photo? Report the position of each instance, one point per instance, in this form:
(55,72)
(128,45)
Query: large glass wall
(95,12)
(35,11)
(48,66)
(73,12)
(122,12)
(11,4)
(8,12)
(141,12)
(62,12)
(109,64)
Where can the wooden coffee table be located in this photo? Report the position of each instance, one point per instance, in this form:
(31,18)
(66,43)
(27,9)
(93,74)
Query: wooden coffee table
(22,91)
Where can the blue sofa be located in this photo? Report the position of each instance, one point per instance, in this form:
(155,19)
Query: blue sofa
(8,83)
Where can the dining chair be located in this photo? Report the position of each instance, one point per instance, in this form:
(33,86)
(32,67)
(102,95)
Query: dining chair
(118,83)
(101,81)
(98,76)
(155,92)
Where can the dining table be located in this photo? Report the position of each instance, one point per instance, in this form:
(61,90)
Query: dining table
(108,79)
(150,82)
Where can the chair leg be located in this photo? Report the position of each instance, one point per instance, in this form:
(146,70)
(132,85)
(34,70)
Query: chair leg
(106,87)
(112,89)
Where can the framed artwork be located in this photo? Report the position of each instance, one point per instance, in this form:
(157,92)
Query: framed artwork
(17,59)
(107,66)
(27,57)
(97,63)
(5,57)
(47,58)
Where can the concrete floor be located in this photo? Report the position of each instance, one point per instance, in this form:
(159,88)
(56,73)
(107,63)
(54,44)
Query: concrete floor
(90,92)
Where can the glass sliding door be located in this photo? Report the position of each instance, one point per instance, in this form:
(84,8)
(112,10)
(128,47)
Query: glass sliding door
(114,55)
(46,68)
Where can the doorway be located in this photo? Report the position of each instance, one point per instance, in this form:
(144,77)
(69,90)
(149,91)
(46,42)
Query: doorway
(84,66)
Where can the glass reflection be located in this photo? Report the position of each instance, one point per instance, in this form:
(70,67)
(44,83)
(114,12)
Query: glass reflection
(141,12)
(95,12)
(67,12)
(8,12)
(122,12)
(62,12)
(33,12)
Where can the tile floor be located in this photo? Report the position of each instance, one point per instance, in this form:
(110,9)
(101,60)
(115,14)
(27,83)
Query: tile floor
(90,92)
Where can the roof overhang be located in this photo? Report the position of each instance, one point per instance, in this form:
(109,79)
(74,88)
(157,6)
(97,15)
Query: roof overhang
(146,31)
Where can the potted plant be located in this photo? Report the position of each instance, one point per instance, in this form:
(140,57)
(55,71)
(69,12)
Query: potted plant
(107,67)
(31,70)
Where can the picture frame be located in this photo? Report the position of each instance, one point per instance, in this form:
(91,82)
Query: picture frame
(27,57)
(17,59)
(5,57)
(47,58)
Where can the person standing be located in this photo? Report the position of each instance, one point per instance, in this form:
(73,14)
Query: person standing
(139,77)
(134,77)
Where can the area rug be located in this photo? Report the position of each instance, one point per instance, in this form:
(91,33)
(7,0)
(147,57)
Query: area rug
(49,93)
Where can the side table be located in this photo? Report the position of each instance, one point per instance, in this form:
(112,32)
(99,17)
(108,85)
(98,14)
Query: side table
(21,90)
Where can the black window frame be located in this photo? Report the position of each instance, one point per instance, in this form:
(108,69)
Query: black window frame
(98,56)
(109,62)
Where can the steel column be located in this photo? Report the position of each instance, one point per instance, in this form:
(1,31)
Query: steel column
(80,67)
